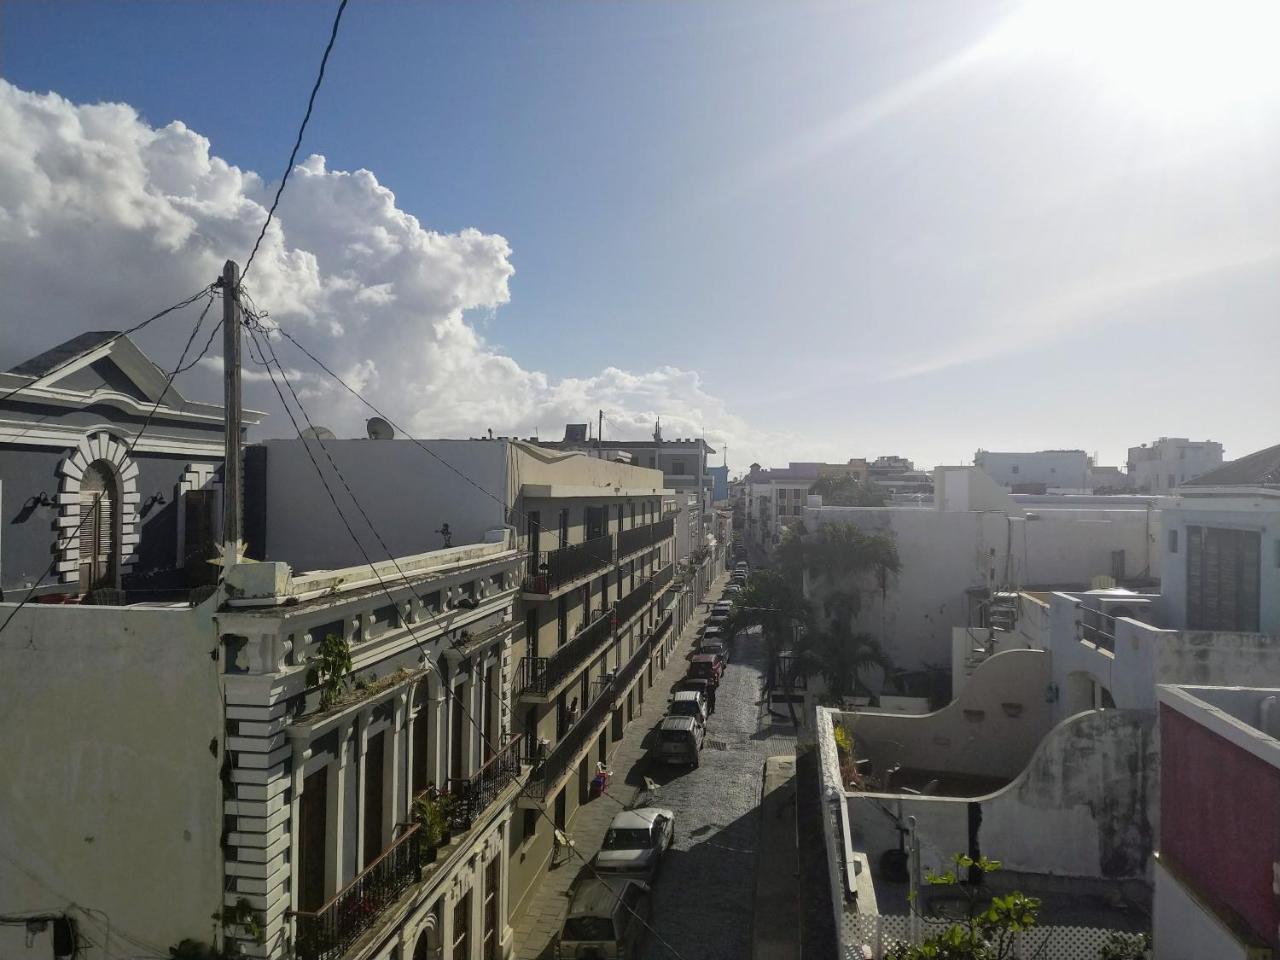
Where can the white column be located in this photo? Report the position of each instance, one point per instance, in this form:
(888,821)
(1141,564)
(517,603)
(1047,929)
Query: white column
(362,744)
(336,809)
(397,776)
(297,777)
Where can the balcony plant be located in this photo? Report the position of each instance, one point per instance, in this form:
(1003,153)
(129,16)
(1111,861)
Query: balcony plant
(429,815)
(332,665)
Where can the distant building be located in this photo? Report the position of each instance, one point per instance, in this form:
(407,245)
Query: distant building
(1170,462)
(1045,469)
(719,483)
(899,477)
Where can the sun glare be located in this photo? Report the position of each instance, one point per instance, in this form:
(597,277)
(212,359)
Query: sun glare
(1175,57)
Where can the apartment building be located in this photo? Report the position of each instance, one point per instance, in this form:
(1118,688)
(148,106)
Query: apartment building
(1042,469)
(1169,462)
(776,497)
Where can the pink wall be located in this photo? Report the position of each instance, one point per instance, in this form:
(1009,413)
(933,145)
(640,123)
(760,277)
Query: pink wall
(1220,820)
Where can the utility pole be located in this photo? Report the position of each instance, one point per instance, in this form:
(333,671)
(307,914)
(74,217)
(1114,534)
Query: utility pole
(600,433)
(232,484)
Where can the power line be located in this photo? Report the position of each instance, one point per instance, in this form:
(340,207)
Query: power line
(444,631)
(297,143)
(132,444)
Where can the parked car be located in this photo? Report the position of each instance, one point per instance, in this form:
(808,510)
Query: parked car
(715,649)
(688,703)
(706,667)
(718,619)
(680,740)
(742,565)
(606,920)
(712,633)
(733,590)
(635,842)
(722,606)
(700,684)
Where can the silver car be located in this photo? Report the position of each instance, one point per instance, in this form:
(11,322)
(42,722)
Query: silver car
(635,843)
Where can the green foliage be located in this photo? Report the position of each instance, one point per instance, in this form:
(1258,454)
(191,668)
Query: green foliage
(775,605)
(241,915)
(847,491)
(430,814)
(988,932)
(188,949)
(1126,946)
(333,663)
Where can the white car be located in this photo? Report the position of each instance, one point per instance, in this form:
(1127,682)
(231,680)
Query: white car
(722,606)
(635,842)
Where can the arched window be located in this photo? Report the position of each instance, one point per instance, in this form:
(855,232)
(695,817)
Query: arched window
(99,545)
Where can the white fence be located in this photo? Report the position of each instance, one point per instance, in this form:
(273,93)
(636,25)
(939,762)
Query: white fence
(879,933)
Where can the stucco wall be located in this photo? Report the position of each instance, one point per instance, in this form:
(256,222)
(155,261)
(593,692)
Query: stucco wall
(111,797)
(1079,808)
(1184,929)
(976,733)
(1083,807)
(407,493)
(945,553)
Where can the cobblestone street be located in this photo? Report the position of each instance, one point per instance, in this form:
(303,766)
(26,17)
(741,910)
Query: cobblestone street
(703,894)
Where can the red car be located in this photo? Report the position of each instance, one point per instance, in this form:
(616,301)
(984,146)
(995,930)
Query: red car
(704,666)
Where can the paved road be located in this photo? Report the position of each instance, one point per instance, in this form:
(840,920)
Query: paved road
(703,895)
(704,892)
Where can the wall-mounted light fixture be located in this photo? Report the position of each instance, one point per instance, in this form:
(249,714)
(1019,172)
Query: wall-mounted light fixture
(41,499)
(153,499)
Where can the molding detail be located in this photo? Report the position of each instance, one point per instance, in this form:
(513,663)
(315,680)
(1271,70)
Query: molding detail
(98,445)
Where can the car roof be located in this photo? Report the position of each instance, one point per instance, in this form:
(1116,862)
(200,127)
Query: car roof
(677,723)
(703,658)
(596,898)
(639,819)
(683,695)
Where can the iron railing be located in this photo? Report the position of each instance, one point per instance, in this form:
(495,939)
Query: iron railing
(330,931)
(632,667)
(550,768)
(663,577)
(539,675)
(551,569)
(473,795)
(633,602)
(662,629)
(641,538)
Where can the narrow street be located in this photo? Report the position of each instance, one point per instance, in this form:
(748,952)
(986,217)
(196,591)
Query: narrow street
(702,895)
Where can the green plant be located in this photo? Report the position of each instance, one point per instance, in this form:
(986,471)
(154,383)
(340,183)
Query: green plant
(990,929)
(1126,946)
(429,814)
(333,663)
(243,915)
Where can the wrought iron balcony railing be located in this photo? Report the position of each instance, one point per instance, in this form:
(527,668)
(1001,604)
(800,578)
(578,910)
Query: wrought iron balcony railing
(539,675)
(473,795)
(550,768)
(328,932)
(640,538)
(662,629)
(635,663)
(633,602)
(552,569)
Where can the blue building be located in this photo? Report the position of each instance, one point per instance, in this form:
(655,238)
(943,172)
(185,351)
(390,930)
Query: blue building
(719,483)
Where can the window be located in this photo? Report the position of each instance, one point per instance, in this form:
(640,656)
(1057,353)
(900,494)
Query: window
(98,544)
(677,467)
(462,927)
(562,620)
(1173,541)
(1014,468)
(1170,483)
(1223,579)
(531,631)
(492,887)
(530,825)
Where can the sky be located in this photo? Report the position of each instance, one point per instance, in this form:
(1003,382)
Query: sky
(802,230)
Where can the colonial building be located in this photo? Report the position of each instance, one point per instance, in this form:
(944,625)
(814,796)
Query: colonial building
(89,505)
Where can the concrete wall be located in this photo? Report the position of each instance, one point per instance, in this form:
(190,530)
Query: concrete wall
(1185,928)
(946,553)
(1068,469)
(111,795)
(1241,513)
(1084,805)
(976,733)
(407,493)
(1079,808)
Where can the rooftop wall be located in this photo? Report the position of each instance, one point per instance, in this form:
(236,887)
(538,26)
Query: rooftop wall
(111,795)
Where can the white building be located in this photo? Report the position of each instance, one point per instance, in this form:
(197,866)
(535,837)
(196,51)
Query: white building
(976,540)
(1066,470)
(1169,462)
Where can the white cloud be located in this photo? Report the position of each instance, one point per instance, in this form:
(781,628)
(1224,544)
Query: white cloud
(104,219)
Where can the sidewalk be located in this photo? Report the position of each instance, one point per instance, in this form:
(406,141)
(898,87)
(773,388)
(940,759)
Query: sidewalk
(537,927)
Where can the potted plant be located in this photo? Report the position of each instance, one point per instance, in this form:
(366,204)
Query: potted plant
(428,813)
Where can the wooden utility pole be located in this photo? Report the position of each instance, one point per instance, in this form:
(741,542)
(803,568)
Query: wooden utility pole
(232,483)
(600,434)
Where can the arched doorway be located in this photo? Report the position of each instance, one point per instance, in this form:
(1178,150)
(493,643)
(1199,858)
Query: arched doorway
(99,540)
(428,946)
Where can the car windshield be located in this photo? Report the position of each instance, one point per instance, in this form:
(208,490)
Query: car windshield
(701,669)
(627,838)
(685,708)
(578,929)
(675,736)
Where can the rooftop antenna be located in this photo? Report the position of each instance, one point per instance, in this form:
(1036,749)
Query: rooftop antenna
(657,430)
(600,431)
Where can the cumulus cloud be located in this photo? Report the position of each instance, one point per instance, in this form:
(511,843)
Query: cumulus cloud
(104,219)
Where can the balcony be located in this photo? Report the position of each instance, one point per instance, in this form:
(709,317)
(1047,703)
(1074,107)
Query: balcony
(473,795)
(633,602)
(553,569)
(550,769)
(331,930)
(663,628)
(643,538)
(631,669)
(663,577)
(540,676)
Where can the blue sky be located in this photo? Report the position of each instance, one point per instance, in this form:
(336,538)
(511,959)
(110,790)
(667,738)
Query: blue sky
(869,227)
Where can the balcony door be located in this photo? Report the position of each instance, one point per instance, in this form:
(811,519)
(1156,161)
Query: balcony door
(312,839)
(534,521)
(421,734)
(456,720)
(597,522)
(492,899)
(373,782)
(99,517)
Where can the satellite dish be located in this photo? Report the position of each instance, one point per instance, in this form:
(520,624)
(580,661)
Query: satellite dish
(379,429)
(318,433)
